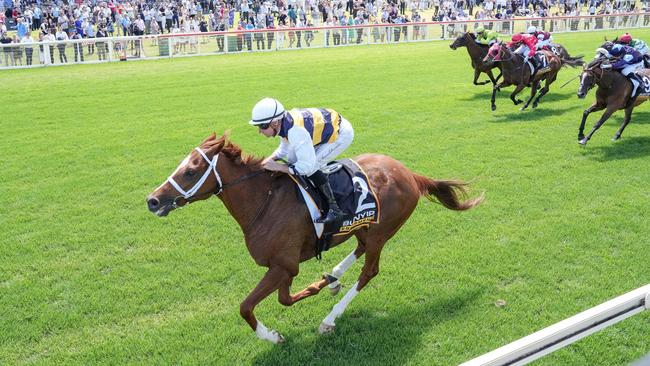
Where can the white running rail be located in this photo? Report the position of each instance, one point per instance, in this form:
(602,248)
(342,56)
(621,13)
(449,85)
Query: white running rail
(570,330)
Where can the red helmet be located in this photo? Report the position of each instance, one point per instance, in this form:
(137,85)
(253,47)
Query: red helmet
(517,37)
(626,38)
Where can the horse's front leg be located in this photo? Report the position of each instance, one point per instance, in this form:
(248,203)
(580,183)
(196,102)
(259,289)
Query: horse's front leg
(533,91)
(628,116)
(603,118)
(477,73)
(594,107)
(517,90)
(271,281)
(498,76)
(491,76)
(495,88)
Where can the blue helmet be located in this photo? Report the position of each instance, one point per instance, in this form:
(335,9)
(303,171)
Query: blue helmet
(617,50)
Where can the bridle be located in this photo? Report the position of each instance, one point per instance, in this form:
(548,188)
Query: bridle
(212,167)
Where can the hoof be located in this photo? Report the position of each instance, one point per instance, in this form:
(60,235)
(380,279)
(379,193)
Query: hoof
(335,290)
(534,105)
(583,142)
(616,138)
(326,328)
(494,108)
(523,108)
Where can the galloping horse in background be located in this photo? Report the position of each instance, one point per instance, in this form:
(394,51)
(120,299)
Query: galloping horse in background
(517,72)
(476,54)
(277,227)
(614,92)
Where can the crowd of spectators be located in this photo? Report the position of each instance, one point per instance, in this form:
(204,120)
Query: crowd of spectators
(38,20)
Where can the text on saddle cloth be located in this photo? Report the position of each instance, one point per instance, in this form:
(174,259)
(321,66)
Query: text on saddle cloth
(541,64)
(353,193)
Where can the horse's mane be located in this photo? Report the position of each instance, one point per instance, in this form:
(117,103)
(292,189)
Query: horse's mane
(230,150)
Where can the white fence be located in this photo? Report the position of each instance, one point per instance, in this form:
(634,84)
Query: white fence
(98,50)
(570,330)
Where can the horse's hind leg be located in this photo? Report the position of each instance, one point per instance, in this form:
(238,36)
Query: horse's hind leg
(339,270)
(628,116)
(370,270)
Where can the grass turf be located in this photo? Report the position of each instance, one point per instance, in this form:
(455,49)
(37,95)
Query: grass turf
(89,276)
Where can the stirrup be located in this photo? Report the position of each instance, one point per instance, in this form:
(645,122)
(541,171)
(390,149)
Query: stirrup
(330,217)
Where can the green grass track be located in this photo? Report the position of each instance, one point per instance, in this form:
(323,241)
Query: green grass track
(89,276)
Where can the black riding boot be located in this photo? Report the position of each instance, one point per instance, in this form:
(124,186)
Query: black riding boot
(334,214)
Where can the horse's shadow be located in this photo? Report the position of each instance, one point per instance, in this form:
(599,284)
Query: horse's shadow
(367,337)
(625,148)
(530,115)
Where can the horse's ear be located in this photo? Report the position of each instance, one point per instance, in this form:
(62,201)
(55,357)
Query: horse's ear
(210,138)
(226,135)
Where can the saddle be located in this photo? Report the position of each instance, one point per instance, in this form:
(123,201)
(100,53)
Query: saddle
(353,193)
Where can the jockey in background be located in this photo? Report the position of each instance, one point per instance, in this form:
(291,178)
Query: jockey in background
(626,60)
(637,44)
(524,45)
(484,36)
(544,39)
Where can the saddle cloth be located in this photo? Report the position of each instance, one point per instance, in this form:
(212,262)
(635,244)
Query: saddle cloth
(644,89)
(353,193)
(542,64)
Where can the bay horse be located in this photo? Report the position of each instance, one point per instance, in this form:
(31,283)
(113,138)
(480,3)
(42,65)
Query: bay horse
(517,72)
(614,92)
(476,54)
(277,228)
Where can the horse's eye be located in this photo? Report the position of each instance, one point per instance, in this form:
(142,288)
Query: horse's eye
(190,172)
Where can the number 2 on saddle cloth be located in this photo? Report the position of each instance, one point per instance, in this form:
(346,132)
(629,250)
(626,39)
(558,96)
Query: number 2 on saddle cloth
(353,193)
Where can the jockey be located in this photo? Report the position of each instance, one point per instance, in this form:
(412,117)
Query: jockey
(629,60)
(310,138)
(488,37)
(526,45)
(637,44)
(543,38)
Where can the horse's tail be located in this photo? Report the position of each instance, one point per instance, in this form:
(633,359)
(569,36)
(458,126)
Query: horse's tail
(573,61)
(449,193)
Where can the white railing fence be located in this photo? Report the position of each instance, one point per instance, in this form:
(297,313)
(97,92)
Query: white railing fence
(96,50)
(568,331)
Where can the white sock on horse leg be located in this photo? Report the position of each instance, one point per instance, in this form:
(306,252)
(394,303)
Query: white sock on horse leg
(339,308)
(264,333)
(340,268)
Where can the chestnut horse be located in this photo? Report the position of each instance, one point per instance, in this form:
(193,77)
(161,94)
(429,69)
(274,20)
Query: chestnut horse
(476,53)
(516,72)
(277,227)
(614,92)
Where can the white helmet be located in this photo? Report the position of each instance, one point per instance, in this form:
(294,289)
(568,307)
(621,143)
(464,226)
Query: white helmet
(532,29)
(266,110)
